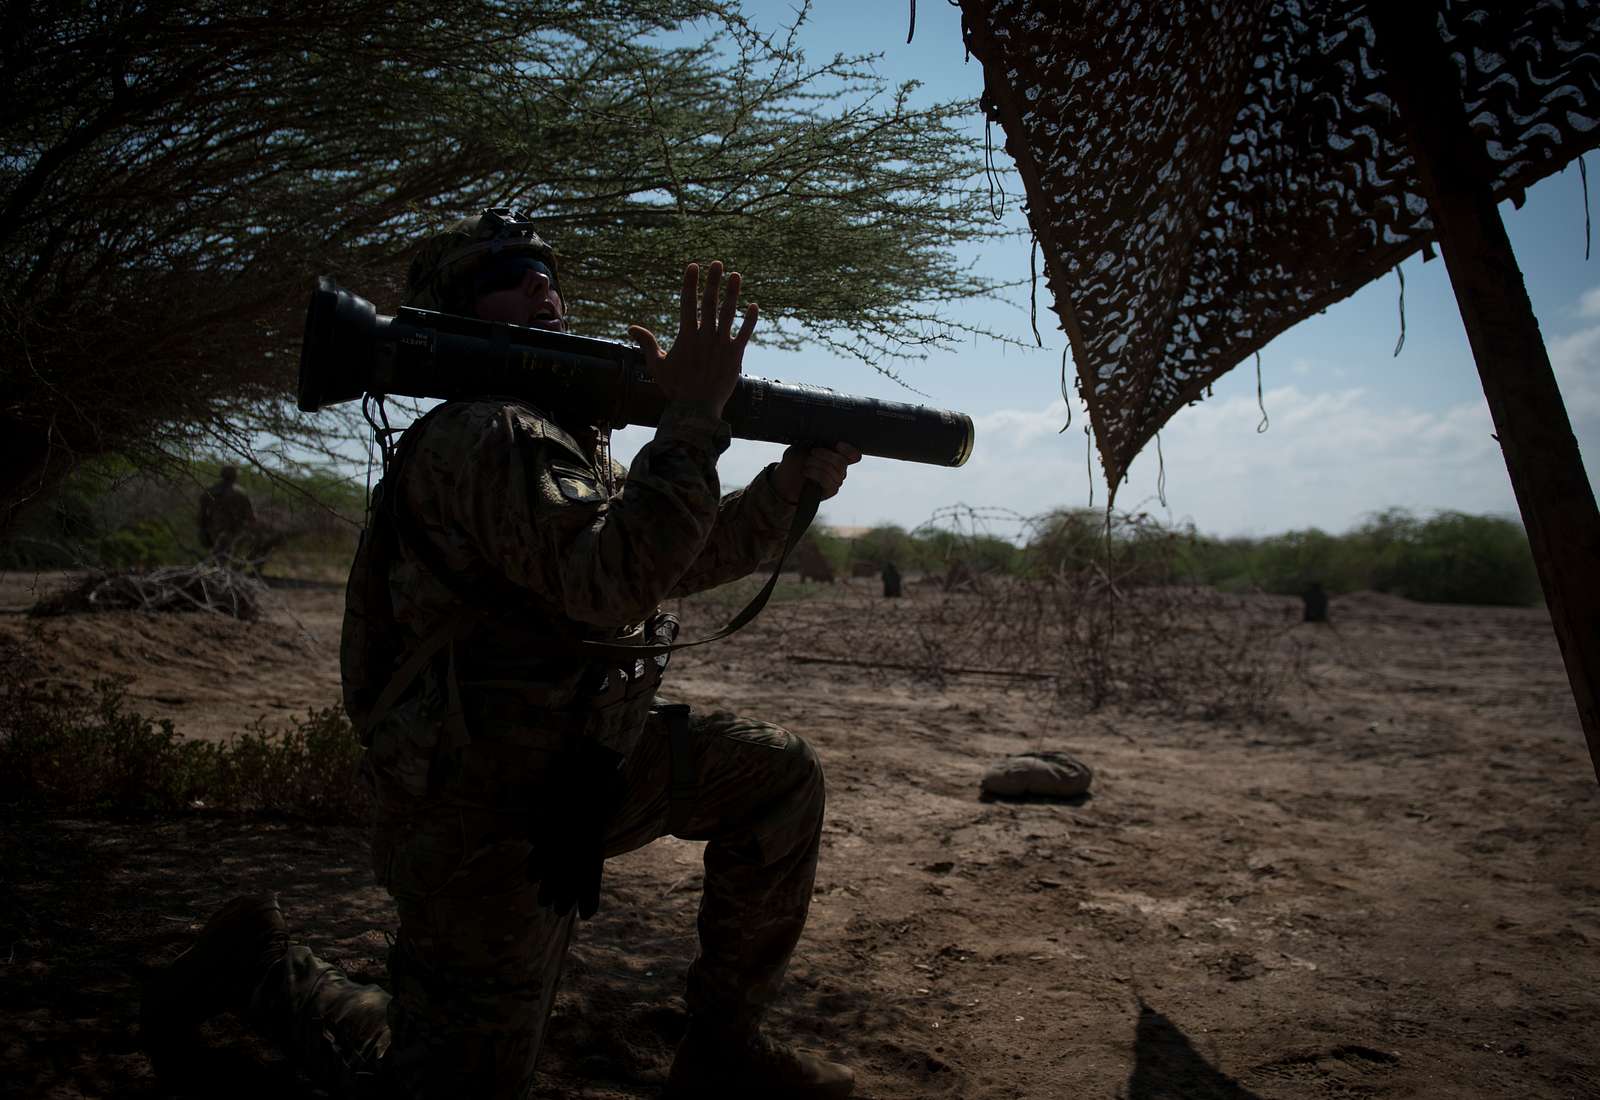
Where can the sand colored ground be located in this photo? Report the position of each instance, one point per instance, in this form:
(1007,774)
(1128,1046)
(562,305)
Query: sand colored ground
(1387,886)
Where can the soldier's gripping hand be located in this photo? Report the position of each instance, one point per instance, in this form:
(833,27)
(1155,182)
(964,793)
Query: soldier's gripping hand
(824,465)
(707,355)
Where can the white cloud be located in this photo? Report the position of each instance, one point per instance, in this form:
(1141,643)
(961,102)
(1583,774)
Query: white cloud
(1325,461)
(1331,457)
(1576,360)
(1589,304)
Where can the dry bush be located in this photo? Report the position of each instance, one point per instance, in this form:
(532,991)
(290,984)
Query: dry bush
(67,750)
(212,588)
(1101,615)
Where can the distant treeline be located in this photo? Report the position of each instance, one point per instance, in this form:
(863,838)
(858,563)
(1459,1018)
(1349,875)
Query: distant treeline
(1450,557)
(109,515)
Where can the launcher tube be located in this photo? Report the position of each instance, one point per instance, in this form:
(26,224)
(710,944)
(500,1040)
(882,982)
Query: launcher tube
(351,350)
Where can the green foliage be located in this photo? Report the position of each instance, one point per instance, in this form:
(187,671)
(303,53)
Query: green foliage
(835,550)
(109,515)
(991,554)
(61,749)
(144,544)
(1288,562)
(1449,558)
(888,543)
(308,770)
(925,550)
(70,750)
(1066,540)
(1457,558)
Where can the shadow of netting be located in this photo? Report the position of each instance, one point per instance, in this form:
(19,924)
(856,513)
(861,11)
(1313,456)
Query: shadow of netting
(1166,1065)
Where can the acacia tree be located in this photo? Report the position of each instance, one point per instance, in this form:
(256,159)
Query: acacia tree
(174,174)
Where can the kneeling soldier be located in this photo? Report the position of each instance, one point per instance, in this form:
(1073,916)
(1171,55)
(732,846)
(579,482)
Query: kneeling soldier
(508,763)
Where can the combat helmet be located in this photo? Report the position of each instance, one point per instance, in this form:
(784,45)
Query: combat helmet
(443,269)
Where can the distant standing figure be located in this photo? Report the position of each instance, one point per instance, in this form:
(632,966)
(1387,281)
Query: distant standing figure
(225,514)
(1316,603)
(891,581)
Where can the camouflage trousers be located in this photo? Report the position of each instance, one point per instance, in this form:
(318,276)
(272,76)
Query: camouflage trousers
(475,964)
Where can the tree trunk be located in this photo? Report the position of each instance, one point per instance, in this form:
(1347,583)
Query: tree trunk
(29,467)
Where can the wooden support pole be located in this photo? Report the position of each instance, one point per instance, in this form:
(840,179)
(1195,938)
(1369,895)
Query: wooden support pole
(1541,453)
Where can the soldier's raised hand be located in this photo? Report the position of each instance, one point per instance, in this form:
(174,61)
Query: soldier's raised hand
(707,356)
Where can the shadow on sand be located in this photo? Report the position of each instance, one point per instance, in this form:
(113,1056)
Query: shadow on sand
(88,908)
(1166,1065)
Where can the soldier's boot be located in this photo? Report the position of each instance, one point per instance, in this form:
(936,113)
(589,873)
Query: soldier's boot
(712,1063)
(218,974)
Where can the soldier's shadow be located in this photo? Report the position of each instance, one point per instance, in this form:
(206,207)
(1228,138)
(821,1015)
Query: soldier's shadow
(93,907)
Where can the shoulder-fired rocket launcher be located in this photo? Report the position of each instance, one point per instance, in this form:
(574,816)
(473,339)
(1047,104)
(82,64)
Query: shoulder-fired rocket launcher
(351,350)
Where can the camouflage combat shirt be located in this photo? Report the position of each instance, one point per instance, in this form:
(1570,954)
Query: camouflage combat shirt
(501,490)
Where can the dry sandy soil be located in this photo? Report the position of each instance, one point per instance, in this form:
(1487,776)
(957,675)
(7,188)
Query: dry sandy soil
(1387,885)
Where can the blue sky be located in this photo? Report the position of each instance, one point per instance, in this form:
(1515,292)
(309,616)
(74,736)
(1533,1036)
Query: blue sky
(1353,429)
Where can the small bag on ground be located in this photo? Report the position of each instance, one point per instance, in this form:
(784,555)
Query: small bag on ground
(1037,775)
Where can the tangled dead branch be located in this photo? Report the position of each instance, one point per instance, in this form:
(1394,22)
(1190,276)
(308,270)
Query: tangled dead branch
(212,588)
(1096,610)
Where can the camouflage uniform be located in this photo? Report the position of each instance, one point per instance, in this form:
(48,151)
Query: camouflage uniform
(500,490)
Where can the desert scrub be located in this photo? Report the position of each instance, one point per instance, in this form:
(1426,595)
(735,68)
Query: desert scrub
(307,770)
(1090,607)
(66,749)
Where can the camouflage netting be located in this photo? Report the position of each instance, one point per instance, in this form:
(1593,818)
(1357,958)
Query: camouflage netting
(1202,174)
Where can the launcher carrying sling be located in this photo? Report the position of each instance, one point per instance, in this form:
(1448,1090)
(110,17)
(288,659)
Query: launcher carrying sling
(351,350)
